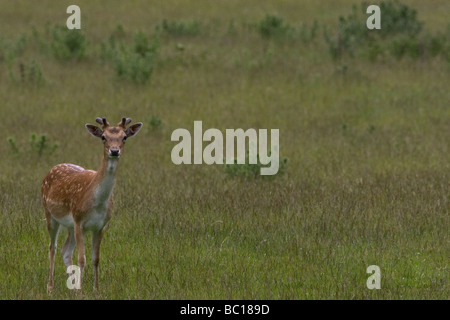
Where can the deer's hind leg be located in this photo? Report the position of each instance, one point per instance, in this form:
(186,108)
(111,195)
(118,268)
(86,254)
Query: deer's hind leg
(69,246)
(79,238)
(53,229)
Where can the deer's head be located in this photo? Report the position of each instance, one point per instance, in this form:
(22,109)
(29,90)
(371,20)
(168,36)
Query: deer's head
(113,137)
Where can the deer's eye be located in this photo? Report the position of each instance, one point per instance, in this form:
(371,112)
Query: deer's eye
(124,138)
(103,138)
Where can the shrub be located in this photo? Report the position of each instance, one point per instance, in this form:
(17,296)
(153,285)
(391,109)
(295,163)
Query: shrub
(352,33)
(68,44)
(155,122)
(398,18)
(132,66)
(438,44)
(10,50)
(12,143)
(38,143)
(135,61)
(180,28)
(142,44)
(251,170)
(406,45)
(28,73)
(35,73)
(136,64)
(400,35)
(108,49)
(308,34)
(273,27)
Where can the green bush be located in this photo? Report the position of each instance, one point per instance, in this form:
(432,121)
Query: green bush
(155,122)
(132,66)
(397,18)
(10,50)
(136,64)
(142,44)
(251,170)
(352,33)
(308,34)
(28,73)
(131,61)
(35,73)
(180,28)
(68,44)
(38,143)
(272,26)
(12,143)
(400,35)
(438,44)
(108,49)
(406,45)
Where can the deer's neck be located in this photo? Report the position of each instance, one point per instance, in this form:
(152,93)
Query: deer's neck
(104,180)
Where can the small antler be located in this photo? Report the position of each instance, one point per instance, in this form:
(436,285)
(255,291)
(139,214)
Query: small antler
(103,122)
(124,122)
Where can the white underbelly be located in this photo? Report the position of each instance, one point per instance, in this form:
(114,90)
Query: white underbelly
(96,220)
(66,221)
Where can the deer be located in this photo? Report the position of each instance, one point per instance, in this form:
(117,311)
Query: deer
(82,200)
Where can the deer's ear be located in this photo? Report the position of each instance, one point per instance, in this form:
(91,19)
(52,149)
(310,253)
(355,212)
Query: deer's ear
(94,130)
(134,129)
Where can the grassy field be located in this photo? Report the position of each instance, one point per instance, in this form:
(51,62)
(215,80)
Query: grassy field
(367,143)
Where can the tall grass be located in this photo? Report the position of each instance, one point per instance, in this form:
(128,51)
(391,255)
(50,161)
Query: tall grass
(367,143)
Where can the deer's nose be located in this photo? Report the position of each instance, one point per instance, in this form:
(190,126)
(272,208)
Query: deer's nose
(114,152)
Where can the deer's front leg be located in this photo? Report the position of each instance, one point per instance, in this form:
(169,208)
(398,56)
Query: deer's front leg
(96,241)
(79,238)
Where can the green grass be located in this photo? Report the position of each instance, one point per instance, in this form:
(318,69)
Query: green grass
(367,180)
